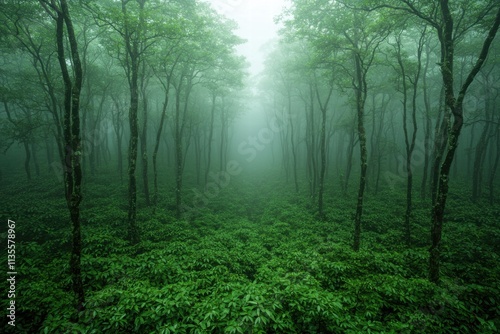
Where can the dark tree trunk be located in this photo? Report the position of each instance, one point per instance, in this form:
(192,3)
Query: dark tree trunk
(27,159)
(132,68)
(360,91)
(157,142)
(178,150)
(292,141)
(427,127)
(494,168)
(35,159)
(49,152)
(197,152)
(223,136)
(456,106)
(117,124)
(144,143)
(210,137)
(440,137)
(314,162)
(350,154)
(378,147)
(323,107)
(410,138)
(477,172)
(71,130)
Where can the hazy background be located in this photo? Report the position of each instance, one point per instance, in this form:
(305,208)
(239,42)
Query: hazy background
(255,19)
(256,25)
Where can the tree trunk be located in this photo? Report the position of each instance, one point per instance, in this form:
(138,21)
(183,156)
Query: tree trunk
(495,166)
(144,145)
(323,163)
(323,107)
(313,144)
(157,143)
(410,142)
(456,106)
(360,106)
(210,137)
(35,159)
(73,171)
(133,62)
(427,127)
(350,154)
(178,151)
(27,160)
(292,141)
(440,137)
(479,157)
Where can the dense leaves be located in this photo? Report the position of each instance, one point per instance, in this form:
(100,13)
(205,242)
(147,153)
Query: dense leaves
(280,271)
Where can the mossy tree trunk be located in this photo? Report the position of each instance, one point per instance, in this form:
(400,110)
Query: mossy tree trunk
(71,129)
(455,104)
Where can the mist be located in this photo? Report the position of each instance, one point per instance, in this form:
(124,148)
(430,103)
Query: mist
(235,166)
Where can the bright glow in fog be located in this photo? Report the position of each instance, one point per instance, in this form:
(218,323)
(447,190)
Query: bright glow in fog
(256,25)
(255,20)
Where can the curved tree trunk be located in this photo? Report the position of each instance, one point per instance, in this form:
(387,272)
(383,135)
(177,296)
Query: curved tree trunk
(360,105)
(71,130)
(456,106)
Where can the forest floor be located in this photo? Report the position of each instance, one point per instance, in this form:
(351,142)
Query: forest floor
(254,259)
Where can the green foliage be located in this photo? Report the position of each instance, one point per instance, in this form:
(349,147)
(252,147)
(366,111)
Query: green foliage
(281,271)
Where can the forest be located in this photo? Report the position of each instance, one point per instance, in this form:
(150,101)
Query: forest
(152,182)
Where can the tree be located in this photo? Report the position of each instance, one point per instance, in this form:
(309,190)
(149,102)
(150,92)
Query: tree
(132,30)
(339,34)
(59,12)
(451,20)
(409,76)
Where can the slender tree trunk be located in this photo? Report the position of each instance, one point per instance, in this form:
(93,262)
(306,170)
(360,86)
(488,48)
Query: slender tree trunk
(178,150)
(323,163)
(144,147)
(440,138)
(378,144)
(494,168)
(323,107)
(120,155)
(456,106)
(73,171)
(350,154)
(313,143)
(479,157)
(197,153)
(223,137)
(157,143)
(27,159)
(210,136)
(292,141)
(49,152)
(470,150)
(427,127)
(133,62)
(410,142)
(35,159)
(360,105)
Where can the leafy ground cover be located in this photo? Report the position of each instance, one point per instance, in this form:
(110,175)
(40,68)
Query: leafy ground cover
(254,260)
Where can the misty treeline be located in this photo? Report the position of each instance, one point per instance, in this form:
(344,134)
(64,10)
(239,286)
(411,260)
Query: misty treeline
(372,95)
(399,82)
(92,83)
